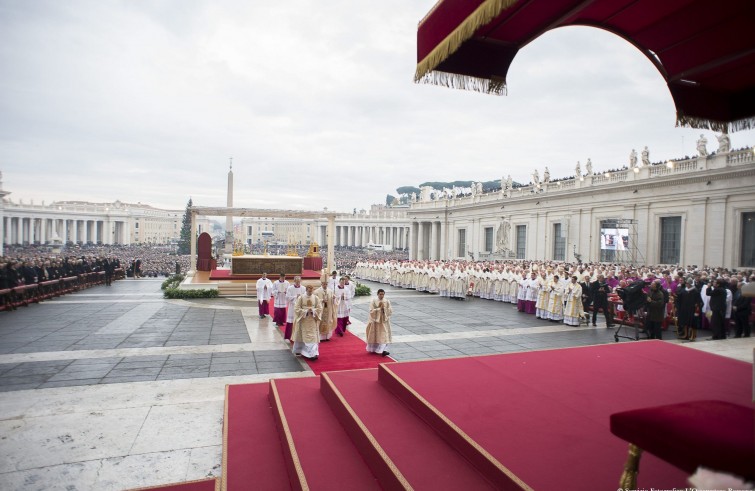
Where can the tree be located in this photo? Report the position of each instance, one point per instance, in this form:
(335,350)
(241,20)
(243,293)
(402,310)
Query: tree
(184,242)
(389,199)
(407,190)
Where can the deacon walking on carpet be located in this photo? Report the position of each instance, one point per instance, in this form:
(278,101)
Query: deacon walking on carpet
(379,327)
(306,333)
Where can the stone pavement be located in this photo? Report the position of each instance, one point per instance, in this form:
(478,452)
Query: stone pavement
(114,388)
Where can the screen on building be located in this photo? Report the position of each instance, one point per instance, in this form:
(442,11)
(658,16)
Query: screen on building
(614,239)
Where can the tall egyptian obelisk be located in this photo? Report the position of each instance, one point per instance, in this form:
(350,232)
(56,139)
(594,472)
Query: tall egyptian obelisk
(229,217)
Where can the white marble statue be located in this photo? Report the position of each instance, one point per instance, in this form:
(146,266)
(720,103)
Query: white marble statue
(633,159)
(578,171)
(535,177)
(724,144)
(546,175)
(645,156)
(479,187)
(588,167)
(702,146)
(414,197)
(503,236)
(509,183)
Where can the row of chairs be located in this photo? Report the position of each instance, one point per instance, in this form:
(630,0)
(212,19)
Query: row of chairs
(22,296)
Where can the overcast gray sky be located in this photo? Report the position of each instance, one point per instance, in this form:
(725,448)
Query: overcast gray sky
(314,100)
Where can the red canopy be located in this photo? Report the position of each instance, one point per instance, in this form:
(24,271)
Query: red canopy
(704,50)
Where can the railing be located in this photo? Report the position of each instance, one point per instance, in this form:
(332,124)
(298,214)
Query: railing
(741,157)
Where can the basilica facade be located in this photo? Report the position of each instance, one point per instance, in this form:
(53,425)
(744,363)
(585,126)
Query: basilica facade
(696,211)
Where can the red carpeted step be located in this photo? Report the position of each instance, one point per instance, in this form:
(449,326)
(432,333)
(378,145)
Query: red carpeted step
(544,415)
(320,454)
(252,454)
(391,435)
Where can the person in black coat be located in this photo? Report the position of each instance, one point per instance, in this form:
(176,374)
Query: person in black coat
(717,304)
(742,307)
(688,300)
(599,292)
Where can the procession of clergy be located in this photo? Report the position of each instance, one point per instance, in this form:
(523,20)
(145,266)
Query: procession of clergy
(546,290)
(312,315)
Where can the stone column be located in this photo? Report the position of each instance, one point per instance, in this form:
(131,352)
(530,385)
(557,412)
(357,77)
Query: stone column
(193,242)
(433,241)
(19,231)
(421,251)
(331,243)
(43,231)
(442,243)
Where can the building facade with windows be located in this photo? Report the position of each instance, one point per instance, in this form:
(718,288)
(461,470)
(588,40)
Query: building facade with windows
(698,211)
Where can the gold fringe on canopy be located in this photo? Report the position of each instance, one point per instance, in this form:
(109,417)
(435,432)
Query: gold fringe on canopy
(719,126)
(494,85)
(487,11)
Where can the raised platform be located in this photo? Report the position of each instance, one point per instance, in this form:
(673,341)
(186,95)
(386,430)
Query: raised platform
(272,265)
(226,274)
(534,420)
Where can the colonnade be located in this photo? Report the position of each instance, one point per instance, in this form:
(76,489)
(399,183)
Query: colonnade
(428,240)
(20,230)
(397,236)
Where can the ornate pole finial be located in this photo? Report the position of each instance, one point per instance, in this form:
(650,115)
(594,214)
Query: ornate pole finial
(231,165)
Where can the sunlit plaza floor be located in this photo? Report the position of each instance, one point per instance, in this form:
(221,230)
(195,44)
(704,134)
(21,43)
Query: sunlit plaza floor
(115,387)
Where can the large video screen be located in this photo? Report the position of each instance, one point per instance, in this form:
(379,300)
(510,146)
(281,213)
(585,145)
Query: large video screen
(614,239)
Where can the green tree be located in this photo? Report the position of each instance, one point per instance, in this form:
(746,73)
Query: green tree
(184,242)
(389,199)
(407,190)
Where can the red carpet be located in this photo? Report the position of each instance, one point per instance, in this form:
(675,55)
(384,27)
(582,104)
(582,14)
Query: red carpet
(323,453)
(393,425)
(534,420)
(547,417)
(251,447)
(225,274)
(201,485)
(343,353)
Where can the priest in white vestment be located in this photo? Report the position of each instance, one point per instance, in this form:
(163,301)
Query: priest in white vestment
(328,318)
(573,311)
(556,300)
(379,327)
(294,291)
(306,333)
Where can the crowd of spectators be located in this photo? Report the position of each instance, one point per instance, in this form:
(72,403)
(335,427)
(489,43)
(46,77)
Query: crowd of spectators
(23,265)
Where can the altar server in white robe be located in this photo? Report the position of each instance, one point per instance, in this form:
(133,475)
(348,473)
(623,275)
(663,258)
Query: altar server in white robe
(306,335)
(378,332)
(351,285)
(280,288)
(294,291)
(333,281)
(343,306)
(328,318)
(264,294)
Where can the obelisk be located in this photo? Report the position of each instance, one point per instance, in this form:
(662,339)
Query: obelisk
(229,217)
